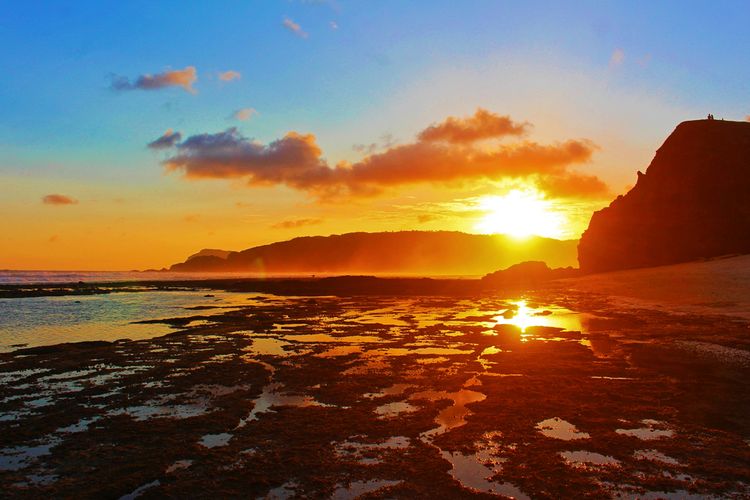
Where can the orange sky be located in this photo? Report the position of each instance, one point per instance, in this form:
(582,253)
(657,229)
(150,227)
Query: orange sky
(134,158)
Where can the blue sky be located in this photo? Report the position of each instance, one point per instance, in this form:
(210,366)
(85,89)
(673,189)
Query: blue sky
(621,74)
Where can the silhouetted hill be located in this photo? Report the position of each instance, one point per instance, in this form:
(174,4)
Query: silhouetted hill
(693,202)
(210,252)
(402,252)
(528,274)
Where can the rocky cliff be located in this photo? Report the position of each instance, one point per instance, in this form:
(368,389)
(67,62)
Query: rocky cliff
(693,202)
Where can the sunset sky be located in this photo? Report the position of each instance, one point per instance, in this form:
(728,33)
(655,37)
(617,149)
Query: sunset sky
(136,133)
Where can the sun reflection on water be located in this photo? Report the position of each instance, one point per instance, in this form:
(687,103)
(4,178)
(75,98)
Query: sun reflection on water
(524,316)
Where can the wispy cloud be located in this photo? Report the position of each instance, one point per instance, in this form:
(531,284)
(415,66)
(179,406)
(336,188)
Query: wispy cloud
(294,27)
(167,140)
(334,25)
(244,114)
(184,78)
(228,76)
(295,223)
(452,152)
(58,199)
(617,58)
(644,61)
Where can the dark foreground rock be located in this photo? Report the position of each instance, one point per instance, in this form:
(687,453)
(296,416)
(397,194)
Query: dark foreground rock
(691,203)
(528,274)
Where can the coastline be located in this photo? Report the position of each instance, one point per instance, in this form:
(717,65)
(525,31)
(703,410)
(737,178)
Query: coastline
(449,385)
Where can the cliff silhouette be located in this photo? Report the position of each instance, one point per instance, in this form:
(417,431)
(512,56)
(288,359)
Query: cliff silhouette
(693,202)
(400,252)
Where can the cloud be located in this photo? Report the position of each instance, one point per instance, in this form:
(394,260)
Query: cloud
(573,184)
(294,27)
(58,199)
(617,58)
(445,153)
(244,114)
(184,78)
(166,141)
(334,25)
(228,76)
(295,223)
(423,218)
(481,125)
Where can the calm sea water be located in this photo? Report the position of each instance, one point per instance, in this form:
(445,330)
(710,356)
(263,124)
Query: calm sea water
(41,277)
(35,321)
(27,277)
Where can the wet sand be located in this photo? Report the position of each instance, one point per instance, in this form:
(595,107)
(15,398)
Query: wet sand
(554,393)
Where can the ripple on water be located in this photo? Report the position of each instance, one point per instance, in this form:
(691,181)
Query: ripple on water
(272,396)
(215,440)
(474,473)
(20,457)
(588,459)
(140,490)
(394,409)
(326,338)
(558,428)
(655,456)
(179,465)
(394,390)
(268,346)
(370,453)
(357,488)
(654,429)
(454,415)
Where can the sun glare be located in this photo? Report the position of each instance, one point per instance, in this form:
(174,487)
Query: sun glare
(520,214)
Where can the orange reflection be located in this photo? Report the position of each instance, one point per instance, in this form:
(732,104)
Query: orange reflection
(523,316)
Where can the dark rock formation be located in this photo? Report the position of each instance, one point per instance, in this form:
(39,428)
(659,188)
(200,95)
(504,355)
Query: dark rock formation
(398,252)
(527,274)
(693,202)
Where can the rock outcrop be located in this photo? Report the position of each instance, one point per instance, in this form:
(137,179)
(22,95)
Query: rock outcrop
(528,274)
(693,202)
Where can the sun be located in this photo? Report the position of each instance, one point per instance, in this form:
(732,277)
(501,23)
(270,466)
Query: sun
(520,213)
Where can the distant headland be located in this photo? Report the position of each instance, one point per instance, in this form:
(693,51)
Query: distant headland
(397,252)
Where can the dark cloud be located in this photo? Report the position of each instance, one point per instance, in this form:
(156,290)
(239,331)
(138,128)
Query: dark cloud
(444,153)
(423,218)
(58,199)
(184,78)
(166,141)
(295,223)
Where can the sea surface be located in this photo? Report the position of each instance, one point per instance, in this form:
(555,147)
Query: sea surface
(48,277)
(33,277)
(36,321)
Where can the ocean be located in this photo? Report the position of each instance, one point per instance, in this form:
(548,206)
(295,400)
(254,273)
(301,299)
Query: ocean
(33,277)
